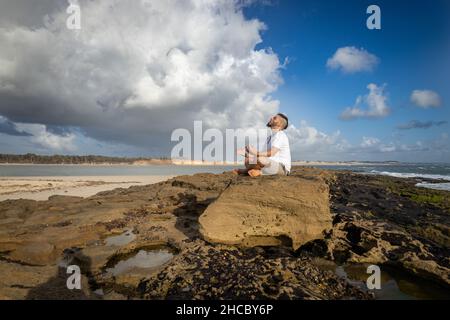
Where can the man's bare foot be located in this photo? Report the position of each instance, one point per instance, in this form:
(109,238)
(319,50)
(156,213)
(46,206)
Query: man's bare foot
(254,173)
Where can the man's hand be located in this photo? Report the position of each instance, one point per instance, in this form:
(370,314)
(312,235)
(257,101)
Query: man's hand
(252,150)
(241,152)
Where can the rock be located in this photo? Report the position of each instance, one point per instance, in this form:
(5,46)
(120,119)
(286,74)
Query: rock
(39,253)
(226,272)
(35,235)
(400,225)
(268,211)
(408,230)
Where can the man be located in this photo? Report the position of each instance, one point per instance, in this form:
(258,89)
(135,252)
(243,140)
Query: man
(277,157)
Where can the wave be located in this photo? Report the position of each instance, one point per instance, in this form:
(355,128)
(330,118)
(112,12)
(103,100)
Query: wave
(436,186)
(412,175)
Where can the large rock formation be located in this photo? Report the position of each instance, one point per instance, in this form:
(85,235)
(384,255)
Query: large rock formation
(389,221)
(380,220)
(269,211)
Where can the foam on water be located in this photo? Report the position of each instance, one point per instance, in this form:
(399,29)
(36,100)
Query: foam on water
(437,186)
(412,175)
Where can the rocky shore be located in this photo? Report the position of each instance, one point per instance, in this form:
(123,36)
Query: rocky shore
(210,236)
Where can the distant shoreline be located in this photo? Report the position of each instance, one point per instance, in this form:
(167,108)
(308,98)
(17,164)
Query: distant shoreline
(186,163)
(122,164)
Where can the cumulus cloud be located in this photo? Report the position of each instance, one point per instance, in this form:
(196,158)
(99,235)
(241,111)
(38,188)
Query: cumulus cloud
(368,142)
(309,136)
(425,99)
(307,141)
(8,127)
(46,139)
(376,102)
(136,70)
(375,145)
(352,59)
(415,124)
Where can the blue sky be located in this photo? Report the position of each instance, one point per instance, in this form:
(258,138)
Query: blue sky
(133,72)
(413,47)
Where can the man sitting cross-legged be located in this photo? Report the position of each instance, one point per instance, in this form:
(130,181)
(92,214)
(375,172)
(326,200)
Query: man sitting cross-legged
(277,158)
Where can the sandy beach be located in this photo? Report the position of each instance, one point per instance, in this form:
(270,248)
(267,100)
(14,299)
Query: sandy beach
(40,188)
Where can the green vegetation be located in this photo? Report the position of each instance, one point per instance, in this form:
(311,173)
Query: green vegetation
(66,159)
(428,198)
(405,188)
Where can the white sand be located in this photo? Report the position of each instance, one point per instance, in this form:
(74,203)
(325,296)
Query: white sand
(40,188)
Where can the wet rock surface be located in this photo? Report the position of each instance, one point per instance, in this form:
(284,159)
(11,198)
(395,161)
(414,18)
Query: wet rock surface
(390,221)
(203,271)
(378,220)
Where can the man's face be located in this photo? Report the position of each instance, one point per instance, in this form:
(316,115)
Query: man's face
(275,122)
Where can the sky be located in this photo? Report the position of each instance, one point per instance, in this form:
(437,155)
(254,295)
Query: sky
(136,71)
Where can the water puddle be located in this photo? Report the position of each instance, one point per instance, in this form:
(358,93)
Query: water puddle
(121,239)
(143,259)
(395,285)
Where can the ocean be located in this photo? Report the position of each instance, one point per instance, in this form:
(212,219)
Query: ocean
(439,171)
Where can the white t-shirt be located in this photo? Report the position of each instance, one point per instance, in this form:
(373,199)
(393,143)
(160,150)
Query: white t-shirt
(279,140)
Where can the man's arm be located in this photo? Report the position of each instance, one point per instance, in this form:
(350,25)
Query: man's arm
(268,153)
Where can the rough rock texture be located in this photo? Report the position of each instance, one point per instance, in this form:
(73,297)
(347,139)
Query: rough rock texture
(375,219)
(269,211)
(36,235)
(203,271)
(385,220)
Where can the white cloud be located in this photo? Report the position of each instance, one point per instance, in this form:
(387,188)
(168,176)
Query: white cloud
(352,59)
(137,70)
(376,102)
(375,145)
(425,99)
(44,138)
(307,142)
(369,142)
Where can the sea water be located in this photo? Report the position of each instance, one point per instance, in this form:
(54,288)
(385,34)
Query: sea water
(440,171)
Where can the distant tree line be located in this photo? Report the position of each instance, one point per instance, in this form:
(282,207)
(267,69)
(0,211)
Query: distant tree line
(66,159)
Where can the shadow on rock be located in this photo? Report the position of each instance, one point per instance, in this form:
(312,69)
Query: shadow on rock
(188,213)
(56,288)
